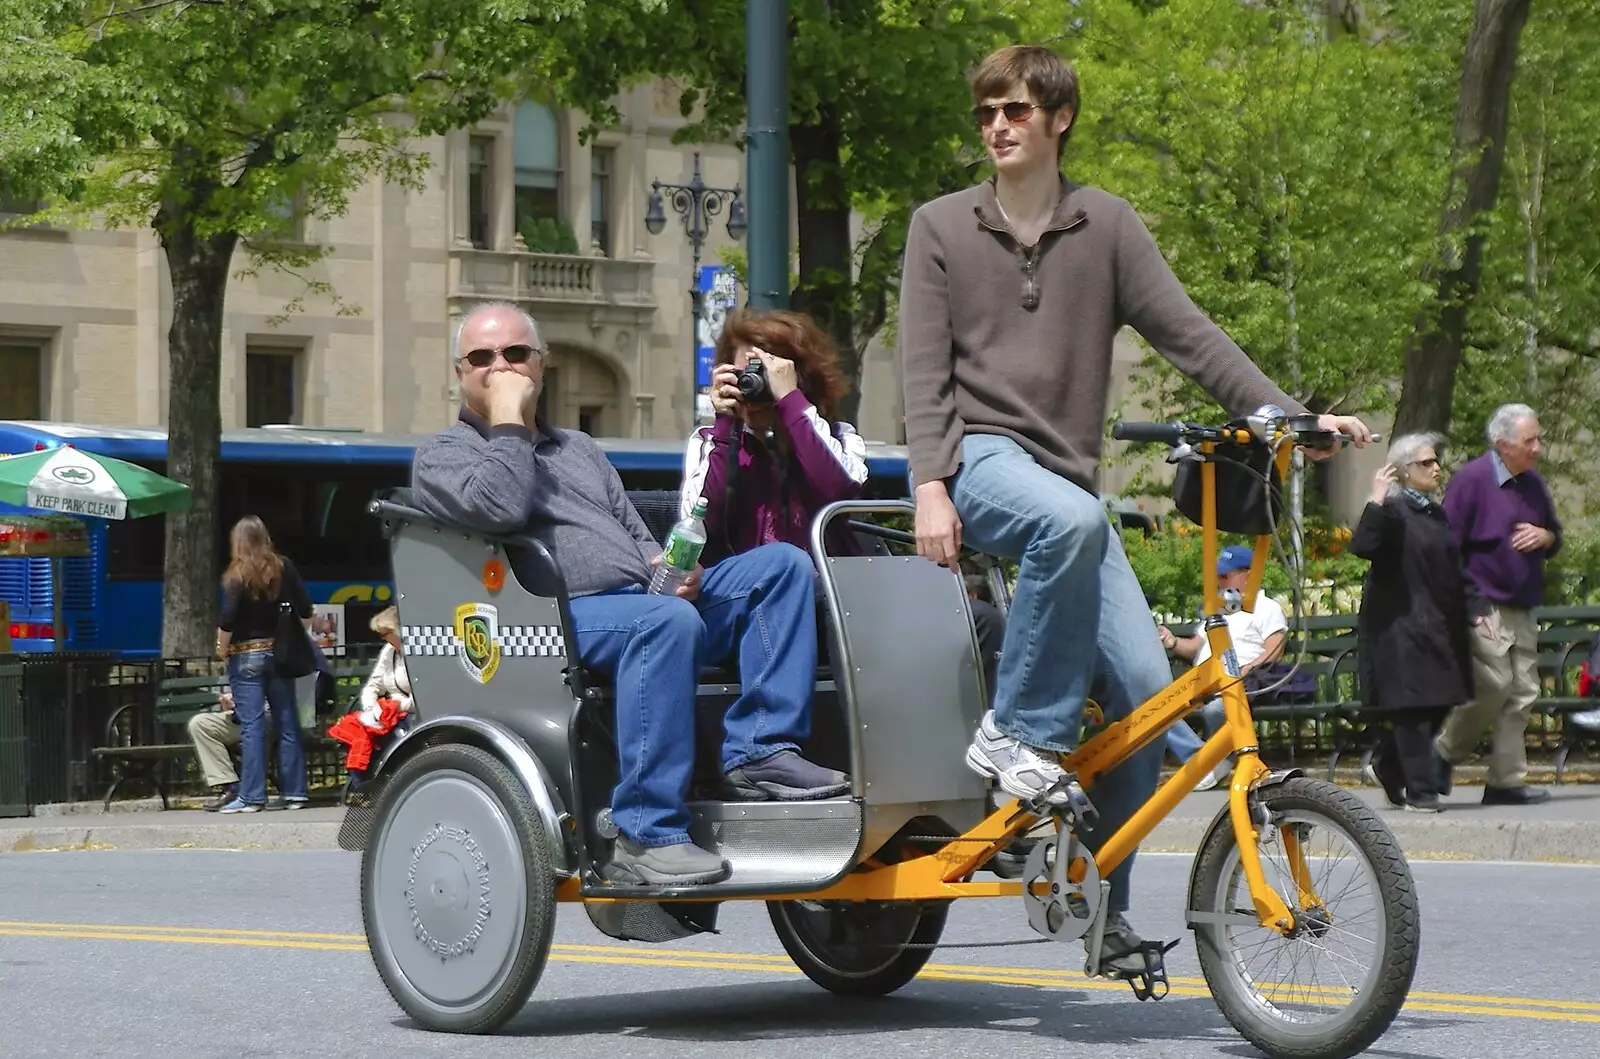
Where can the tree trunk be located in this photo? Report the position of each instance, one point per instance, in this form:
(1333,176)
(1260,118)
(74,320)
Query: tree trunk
(199,269)
(822,205)
(1428,388)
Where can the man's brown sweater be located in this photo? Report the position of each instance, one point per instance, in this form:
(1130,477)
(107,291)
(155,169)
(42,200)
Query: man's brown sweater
(996,339)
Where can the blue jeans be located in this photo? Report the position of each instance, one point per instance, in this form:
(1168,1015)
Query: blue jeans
(1184,742)
(256,684)
(759,605)
(1079,626)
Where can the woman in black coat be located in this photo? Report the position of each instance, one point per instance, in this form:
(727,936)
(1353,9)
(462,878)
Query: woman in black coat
(1414,654)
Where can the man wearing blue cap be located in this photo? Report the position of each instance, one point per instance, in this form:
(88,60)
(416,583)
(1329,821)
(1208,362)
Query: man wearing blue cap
(1258,637)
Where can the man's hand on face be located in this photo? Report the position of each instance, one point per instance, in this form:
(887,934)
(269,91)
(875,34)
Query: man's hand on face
(511,396)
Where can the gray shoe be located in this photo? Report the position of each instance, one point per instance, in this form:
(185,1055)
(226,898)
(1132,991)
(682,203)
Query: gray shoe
(786,777)
(684,864)
(1121,949)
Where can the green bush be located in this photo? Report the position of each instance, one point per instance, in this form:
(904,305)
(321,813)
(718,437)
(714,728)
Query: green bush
(549,236)
(1572,578)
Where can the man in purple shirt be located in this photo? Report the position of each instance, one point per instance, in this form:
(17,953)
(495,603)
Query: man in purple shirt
(1505,525)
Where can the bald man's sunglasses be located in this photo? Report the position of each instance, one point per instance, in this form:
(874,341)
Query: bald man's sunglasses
(482,358)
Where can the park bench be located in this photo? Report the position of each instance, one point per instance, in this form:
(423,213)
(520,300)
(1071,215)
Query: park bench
(144,739)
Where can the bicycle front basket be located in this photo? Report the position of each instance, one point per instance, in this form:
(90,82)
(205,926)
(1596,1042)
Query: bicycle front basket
(1243,495)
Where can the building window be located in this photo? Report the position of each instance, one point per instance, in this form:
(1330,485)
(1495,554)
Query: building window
(589,418)
(284,209)
(537,153)
(271,387)
(21,381)
(602,164)
(480,156)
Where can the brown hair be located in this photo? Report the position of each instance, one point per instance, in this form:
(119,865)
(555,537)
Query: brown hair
(1047,77)
(256,567)
(792,336)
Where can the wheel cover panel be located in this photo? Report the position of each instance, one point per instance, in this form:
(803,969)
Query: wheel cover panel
(449,892)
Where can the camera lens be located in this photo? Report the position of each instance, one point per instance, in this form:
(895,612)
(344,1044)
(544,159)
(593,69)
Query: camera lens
(752,383)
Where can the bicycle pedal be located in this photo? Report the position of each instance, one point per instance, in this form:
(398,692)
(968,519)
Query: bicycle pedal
(1151,983)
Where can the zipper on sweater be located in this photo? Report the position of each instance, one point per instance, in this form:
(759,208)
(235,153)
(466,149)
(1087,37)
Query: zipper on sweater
(1030,254)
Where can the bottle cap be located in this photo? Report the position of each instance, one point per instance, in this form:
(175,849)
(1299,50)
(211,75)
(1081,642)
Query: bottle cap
(701,506)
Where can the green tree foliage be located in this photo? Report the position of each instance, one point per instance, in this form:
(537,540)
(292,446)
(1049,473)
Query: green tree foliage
(879,120)
(1284,170)
(1534,329)
(205,120)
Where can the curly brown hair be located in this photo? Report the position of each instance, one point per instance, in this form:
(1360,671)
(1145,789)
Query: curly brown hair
(792,336)
(257,568)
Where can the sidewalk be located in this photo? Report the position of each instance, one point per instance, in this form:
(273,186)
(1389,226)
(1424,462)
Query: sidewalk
(1565,829)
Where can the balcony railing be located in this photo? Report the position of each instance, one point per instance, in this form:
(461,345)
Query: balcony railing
(556,278)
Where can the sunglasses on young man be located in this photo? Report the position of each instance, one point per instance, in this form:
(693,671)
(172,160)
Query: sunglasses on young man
(482,358)
(1016,112)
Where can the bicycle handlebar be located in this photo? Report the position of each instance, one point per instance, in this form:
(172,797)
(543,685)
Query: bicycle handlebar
(1148,433)
(1307,434)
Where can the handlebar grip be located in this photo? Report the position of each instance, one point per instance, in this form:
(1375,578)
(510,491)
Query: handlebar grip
(1147,433)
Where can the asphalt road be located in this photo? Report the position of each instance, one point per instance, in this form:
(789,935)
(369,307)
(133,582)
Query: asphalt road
(202,954)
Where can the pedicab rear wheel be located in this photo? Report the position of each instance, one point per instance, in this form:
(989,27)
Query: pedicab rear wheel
(1358,946)
(457,890)
(856,948)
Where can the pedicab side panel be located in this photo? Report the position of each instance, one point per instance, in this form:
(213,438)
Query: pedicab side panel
(491,657)
(906,661)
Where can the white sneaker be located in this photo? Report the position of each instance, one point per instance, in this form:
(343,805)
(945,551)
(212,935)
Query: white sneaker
(1214,777)
(1020,770)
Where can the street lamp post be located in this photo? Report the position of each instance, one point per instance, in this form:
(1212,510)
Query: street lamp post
(699,205)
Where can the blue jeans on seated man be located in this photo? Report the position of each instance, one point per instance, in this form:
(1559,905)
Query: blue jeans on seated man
(255,683)
(1078,622)
(760,606)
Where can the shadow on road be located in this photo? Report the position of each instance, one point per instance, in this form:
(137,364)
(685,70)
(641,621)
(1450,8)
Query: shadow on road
(772,1011)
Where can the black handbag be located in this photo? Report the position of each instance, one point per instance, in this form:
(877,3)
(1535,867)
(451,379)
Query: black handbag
(291,647)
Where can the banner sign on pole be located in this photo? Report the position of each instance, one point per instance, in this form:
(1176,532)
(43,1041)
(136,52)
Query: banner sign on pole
(719,293)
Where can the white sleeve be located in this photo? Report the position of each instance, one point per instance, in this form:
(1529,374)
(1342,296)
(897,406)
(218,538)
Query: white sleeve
(696,462)
(1269,616)
(849,447)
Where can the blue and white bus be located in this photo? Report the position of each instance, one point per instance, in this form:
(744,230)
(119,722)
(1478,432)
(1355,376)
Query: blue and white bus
(310,486)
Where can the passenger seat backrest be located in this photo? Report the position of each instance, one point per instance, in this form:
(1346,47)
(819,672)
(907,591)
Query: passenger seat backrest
(660,509)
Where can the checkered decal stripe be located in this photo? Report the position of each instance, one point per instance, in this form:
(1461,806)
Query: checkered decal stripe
(516,641)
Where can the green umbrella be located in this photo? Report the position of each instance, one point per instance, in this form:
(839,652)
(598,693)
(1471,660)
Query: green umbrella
(71,482)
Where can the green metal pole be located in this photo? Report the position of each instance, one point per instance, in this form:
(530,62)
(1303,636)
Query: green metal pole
(767,128)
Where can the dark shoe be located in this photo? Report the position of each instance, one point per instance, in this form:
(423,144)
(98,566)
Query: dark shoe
(1423,803)
(684,864)
(223,797)
(786,777)
(1515,795)
(1383,771)
(1121,949)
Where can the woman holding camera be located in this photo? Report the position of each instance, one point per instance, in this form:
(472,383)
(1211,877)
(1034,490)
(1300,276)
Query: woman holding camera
(774,456)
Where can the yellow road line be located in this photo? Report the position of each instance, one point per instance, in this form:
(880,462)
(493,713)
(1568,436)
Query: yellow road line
(763,963)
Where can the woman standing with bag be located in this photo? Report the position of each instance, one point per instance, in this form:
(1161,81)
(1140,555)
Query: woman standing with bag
(1414,657)
(263,635)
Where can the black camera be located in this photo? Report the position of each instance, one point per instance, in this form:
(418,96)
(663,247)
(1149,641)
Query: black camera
(754,387)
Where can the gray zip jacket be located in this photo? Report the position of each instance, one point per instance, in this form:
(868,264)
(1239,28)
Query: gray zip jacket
(559,488)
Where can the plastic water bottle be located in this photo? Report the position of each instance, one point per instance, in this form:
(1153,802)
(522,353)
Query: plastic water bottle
(684,545)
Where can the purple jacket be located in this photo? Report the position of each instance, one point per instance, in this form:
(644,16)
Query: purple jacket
(1482,503)
(770,502)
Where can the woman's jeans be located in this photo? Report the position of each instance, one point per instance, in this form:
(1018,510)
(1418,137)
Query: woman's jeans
(257,684)
(1079,626)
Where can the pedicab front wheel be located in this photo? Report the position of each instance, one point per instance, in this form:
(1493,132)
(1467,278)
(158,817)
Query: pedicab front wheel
(859,948)
(457,890)
(1331,986)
